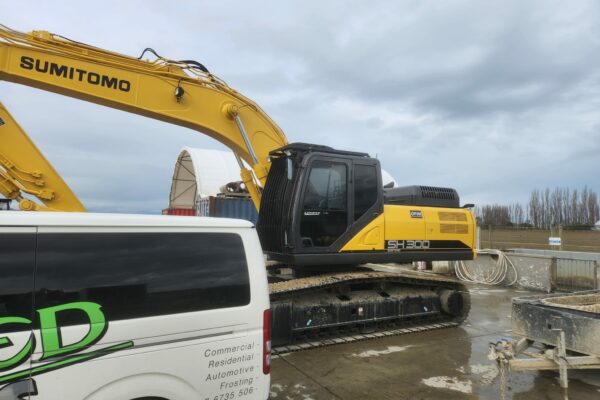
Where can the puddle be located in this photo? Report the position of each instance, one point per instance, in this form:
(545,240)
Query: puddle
(299,386)
(487,373)
(377,353)
(276,389)
(488,292)
(290,392)
(589,377)
(451,383)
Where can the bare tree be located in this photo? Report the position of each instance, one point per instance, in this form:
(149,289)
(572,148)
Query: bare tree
(519,215)
(546,208)
(535,208)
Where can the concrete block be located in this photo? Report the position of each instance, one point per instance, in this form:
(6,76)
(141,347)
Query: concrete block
(533,272)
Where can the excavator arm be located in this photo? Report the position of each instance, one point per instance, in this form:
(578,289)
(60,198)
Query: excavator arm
(38,178)
(184,93)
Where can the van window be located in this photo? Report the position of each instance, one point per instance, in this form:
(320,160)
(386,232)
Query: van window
(135,275)
(17,261)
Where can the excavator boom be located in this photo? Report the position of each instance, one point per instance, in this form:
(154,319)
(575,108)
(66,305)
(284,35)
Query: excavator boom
(179,92)
(37,178)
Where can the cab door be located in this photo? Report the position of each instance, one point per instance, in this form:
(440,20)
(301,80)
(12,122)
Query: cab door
(324,211)
(17,264)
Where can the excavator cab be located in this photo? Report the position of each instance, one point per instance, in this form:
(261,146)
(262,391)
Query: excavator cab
(325,207)
(315,200)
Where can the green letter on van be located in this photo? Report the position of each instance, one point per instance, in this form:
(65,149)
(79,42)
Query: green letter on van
(51,338)
(24,353)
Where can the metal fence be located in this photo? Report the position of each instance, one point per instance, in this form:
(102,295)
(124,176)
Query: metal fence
(572,275)
(567,271)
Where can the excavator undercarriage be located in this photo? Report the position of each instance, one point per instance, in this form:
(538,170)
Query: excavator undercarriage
(361,302)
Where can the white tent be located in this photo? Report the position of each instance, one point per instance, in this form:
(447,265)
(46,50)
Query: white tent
(387,178)
(200,173)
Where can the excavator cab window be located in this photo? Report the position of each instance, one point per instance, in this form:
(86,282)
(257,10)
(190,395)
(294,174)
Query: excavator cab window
(365,189)
(325,206)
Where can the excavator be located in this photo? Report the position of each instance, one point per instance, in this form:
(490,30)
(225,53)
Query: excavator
(324,213)
(39,179)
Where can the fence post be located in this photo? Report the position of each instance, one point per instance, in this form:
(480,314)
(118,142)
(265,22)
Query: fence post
(490,237)
(597,268)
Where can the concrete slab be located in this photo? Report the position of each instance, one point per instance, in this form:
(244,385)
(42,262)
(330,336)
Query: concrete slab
(287,382)
(440,364)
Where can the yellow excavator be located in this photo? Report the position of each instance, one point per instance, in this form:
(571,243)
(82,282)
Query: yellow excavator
(322,211)
(24,169)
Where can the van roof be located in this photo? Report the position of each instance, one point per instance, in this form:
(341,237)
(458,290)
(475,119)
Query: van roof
(44,218)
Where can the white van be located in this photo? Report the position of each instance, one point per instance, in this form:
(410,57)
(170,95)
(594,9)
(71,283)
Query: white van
(132,307)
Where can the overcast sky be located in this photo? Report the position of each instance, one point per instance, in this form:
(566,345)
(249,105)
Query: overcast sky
(493,98)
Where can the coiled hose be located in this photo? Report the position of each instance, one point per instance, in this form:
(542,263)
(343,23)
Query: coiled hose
(494,276)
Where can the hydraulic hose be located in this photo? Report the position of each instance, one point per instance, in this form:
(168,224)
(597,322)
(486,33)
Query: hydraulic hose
(494,276)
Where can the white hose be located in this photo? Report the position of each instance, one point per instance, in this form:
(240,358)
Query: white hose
(493,276)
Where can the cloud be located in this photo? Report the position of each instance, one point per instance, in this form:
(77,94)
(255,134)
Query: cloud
(494,98)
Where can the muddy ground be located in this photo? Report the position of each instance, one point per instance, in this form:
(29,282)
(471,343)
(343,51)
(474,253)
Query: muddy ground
(443,364)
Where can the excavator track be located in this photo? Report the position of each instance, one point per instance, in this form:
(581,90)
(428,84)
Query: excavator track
(282,350)
(337,308)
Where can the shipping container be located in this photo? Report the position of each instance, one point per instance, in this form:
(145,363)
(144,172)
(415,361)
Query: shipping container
(228,207)
(188,212)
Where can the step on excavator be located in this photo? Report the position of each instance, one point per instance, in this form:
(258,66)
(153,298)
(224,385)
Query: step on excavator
(324,213)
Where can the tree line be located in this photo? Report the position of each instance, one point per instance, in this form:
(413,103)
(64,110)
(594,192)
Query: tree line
(546,208)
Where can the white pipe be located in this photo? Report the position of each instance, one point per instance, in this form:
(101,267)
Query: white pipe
(494,276)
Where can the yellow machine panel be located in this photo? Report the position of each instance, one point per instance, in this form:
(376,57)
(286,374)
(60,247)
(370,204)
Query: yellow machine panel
(421,228)
(370,238)
(443,223)
(399,225)
(416,228)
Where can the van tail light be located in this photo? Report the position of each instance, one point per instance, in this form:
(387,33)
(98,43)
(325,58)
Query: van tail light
(267,342)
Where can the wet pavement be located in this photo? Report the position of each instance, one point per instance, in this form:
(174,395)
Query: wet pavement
(442,364)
